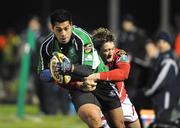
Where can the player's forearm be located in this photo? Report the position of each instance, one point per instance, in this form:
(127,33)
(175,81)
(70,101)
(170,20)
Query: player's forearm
(82,70)
(115,74)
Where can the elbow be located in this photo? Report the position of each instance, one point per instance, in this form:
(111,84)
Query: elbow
(125,71)
(126,74)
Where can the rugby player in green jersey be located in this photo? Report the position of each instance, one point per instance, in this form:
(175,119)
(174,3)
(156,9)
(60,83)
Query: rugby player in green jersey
(81,60)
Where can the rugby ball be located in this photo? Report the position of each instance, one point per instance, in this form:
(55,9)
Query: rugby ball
(59,78)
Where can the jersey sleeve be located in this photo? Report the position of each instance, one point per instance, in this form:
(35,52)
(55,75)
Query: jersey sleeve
(89,55)
(119,74)
(43,61)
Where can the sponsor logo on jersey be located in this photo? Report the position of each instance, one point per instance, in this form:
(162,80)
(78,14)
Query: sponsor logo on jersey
(88,57)
(112,93)
(122,55)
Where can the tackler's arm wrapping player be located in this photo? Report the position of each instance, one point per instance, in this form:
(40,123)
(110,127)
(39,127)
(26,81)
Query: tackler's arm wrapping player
(117,62)
(76,46)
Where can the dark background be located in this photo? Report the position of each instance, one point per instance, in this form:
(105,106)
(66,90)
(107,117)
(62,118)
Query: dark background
(88,14)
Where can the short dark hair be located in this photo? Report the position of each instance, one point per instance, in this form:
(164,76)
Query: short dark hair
(60,15)
(164,36)
(129,17)
(101,36)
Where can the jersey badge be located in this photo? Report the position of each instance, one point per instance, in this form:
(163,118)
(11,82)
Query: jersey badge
(123,58)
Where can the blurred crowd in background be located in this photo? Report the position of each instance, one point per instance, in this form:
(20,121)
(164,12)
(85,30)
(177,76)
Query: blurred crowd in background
(141,49)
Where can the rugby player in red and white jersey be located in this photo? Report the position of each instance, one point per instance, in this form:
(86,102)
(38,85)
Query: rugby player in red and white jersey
(117,62)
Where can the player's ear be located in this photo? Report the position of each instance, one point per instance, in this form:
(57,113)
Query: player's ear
(70,22)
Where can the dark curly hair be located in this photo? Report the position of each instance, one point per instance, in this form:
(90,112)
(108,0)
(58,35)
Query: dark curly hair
(101,36)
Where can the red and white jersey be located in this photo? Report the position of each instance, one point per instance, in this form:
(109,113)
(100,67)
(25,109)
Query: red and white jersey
(119,70)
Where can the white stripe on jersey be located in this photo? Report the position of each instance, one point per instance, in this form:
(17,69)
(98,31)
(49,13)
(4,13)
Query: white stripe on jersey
(162,75)
(166,100)
(122,87)
(82,46)
(51,36)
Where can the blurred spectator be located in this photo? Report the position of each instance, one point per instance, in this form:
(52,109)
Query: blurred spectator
(43,92)
(177,36)
(10,61)
(11,56)
(152,51)
(50,97)
(132,39)
(151,56)
(49,25)
(163,88)
(177,45)
(176,112)
(2,47)
(2,42)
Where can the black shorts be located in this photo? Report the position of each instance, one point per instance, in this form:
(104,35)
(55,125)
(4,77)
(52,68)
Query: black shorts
(105,96)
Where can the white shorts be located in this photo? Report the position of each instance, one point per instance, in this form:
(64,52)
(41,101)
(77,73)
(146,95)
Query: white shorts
(129,112)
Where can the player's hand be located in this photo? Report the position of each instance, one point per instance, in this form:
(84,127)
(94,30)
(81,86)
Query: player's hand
(86,85)
(93,77)
(89,85)
(65,66)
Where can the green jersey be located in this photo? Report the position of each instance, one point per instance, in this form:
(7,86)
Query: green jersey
(79,50)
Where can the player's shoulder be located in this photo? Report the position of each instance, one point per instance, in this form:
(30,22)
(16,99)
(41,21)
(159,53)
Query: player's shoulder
(47,44)
(120,52)
(82,35)
(121,55)
(49,38)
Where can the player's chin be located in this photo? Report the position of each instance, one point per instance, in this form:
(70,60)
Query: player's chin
(64,41)
(109,59)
